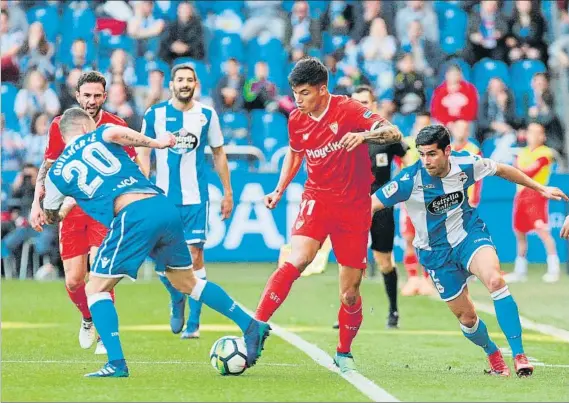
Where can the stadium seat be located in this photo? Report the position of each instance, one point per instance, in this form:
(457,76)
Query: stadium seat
(108,43)
(268,131)
(9,92)
(202,70)
(203,8)
(49,17)
(78,24)
(63,55)
(452,22)
(404,122)
(522,72)
(224,46)
(235,127)
(332,42)
(142,67)
(317,7)
(269,50)
(165,10)
(464,66)
(486,69)
(233,5)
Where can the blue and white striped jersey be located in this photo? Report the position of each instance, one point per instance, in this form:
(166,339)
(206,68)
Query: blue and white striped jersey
(181,171)
(439,207)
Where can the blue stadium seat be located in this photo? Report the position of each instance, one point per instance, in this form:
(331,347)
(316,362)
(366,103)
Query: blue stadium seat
(63,54)
(78,24)
(165,10)
(49,17)
(317,7)
(224,46)
(108,43)
(287,5)
(235,127)
(271,51)
(268,131)
(464,66)
(486,69)
(522,72)
(404,122)
(142,67)
(332,42)
(9,92)
(202,70)
(233,5)
(203,8)
(452,22)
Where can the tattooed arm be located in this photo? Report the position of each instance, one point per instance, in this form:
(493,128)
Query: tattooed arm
(381,133)
(128,137)
(37,216)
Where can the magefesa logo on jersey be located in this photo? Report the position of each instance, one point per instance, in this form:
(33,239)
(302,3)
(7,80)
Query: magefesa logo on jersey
(186,142)
(445,203)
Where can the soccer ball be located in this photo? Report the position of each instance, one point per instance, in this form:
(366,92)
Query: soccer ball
(228,355)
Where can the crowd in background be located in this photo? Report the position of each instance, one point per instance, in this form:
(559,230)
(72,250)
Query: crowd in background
(484,64)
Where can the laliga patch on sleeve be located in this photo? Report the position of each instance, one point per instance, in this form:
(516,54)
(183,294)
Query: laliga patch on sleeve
(367,114)
(390,189)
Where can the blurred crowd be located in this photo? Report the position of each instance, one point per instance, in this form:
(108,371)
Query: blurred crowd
(484,64)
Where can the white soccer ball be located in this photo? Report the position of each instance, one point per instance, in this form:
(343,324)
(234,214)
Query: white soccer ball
(228,355)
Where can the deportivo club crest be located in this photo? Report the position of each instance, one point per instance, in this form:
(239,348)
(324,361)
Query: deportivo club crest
(186,142)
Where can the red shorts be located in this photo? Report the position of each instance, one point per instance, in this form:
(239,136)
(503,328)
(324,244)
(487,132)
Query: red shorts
(529,208)
(78,233)
(407,228)
(347,225)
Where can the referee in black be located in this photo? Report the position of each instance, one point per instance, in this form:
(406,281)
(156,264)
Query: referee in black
(383,221)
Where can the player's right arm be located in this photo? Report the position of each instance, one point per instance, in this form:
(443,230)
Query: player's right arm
(291,165)
(565,229)
(516,176)
(52,202)
(144,152)
(125,136)
(397,190)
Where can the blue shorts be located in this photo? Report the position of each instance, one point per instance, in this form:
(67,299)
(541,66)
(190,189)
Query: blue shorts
(194,218)
(149,227)
(449,268)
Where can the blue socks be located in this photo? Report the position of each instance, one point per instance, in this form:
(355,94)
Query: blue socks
(106,322)
(217,299)
(195,306)
(508,319)
(478,334)
(175,295)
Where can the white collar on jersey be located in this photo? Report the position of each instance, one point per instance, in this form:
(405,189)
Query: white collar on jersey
(318,119)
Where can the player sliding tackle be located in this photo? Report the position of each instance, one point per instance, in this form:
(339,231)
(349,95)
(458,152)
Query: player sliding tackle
(329,131)
(452,241)
(95,170)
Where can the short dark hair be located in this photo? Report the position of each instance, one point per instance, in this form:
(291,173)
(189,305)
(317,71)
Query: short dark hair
(365,88)
(91,77)
(544,74)
(73,118)
(183,66)
(434,134)
(308,70)
(423,113)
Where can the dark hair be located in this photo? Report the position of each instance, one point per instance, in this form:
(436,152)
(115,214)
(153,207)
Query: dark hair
(308,70)
(434,134)
(72,118)
(544,74)
(35,118)
(365,88)
(183,66)
(454,66)
(5,12)
(423,113)
(91,77)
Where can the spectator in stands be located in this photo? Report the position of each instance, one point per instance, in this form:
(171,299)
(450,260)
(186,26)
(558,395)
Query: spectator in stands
(35,143)
(145,29)
(183,37)
(37,52)
(77,60)
(486,31)
(559,54)
(525,34)
(378,45)
(18,20)
(36,96)
(427,54)
(13,147)
(334,73)
(409,86)
(497,112)
(373,9)
(118,103)
(455,99)
(68,88)
(259,92)
(352,77)
(540,105)
(10,43)
(417,10)
(302,33)
(151,94)
(563,6)
(228,94)
(263,16)
(341,18)
(121,68)
(386,106)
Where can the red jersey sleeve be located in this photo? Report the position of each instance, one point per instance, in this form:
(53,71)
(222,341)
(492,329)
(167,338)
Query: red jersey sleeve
(55,143)
(294,139)
(360,117)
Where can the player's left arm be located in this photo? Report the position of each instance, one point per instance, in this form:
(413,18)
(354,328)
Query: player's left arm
(516,176)
(215,140)
(52,202)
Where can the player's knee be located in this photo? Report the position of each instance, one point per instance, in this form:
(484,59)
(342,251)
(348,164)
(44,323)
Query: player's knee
(300,261)
(350,297)
(495,281)
(467,318)
(385,266)
(73,281)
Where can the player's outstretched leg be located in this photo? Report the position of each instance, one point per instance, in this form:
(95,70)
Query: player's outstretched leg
(192,330)
(254,331)
(177,305)
(276,290)
(486,267)
(107,323)
(350,317)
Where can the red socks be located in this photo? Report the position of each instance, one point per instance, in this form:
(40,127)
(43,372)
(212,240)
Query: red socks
(411,262)
(350,319)
(79,298)
(276,290)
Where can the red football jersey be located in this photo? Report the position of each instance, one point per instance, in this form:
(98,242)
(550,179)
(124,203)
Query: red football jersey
(56,145)
(333,172)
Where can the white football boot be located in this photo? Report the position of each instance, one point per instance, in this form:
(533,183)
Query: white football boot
(86,334)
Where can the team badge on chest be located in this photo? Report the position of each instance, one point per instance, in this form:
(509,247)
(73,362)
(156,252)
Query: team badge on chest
(334,127)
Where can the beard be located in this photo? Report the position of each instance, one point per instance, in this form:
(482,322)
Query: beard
(92,111)
(184,98)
